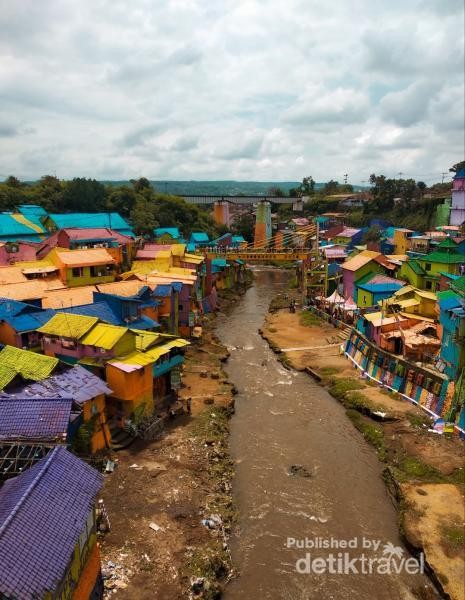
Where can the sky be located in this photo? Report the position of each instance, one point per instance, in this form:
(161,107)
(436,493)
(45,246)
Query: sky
(253,90)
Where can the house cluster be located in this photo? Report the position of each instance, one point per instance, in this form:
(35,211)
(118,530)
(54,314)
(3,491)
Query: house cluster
(405,296)
(94,324)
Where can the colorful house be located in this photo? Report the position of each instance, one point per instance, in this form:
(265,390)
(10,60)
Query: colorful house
(120,247)
(425,271)
(52,506)
(410,301)
(19,322)
(457,211)
(365,263)
(452,319)
(84,267)
(15,227)
(167,235)
(370,290)
(12,252)
(110,220)
(401,239)
(348,236)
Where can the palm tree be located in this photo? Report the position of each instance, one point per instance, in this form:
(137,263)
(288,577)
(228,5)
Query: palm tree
(390,550)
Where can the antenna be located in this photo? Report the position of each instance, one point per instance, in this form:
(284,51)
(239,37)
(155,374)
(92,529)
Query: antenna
(443,175)
(400,174)
(345,178)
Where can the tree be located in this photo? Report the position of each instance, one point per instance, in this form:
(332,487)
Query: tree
(143,217)
(275,191)
(457,167)
(372,235)
(331,187)
(86,195)
(244,225)
(307,186)
(13,181)
(141,184)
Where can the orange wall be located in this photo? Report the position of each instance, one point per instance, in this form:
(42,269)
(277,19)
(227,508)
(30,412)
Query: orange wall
(7,334)
(88,576)
(101,436)
(134,388)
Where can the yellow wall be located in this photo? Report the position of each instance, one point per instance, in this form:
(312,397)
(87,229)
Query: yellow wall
(134,389)
(101,434)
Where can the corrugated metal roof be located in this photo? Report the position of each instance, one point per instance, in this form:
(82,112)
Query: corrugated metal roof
(13,228)
(101,310)
(121,288)
(75,382)
(199,237)
(29,365)
(30,321)
(171,231)
(68,325)
(43,511)
(38,418)
(32,209)
(69,297)
(358,261)
(163,290)
(12,275)
(30,222)
(91,221)
(83,258)
(26,290)
(104,336)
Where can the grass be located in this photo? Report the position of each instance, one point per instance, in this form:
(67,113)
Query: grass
(358,401)
(453,539)
(413,468)
(340,387)
(417,420)
(373,433)
(308,319)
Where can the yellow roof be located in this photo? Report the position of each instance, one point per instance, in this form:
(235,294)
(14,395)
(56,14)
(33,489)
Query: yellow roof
(68,325)
(134,358)
(419,317)
(145,339)
(69,297)
(358,261)
(26,264)
(178,249)
(407,303)
(83,258)
(29,365)
(426,294)
(104,336)
(193,258)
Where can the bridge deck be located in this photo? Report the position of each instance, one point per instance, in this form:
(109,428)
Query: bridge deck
(262,255)
(237,199)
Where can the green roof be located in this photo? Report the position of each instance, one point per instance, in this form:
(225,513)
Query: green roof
(29,365)
(443,257)
(416,268)
(459,285)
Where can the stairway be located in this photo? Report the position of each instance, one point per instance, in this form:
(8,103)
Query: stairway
(120,438)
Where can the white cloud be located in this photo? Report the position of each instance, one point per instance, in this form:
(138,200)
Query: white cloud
(245,89)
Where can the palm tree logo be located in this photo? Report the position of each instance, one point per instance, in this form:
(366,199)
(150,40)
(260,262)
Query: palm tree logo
(391,551)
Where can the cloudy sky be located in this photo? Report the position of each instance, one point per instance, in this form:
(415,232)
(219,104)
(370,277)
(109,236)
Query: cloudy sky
(231,89)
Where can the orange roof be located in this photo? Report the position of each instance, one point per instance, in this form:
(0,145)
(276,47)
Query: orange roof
(85,258)
(68,297)
(121,288)
(355,263)
(11,275)
(26,290)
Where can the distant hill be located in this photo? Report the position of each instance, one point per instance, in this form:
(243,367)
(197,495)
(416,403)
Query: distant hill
(213,188)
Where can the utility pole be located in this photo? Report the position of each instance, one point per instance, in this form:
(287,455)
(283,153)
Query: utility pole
(345,178)
(400,174)
(443,175)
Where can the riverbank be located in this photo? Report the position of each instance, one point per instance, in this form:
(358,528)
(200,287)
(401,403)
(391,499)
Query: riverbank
(424,471)
(169,500)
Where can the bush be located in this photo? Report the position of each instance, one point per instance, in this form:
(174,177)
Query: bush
(308,319)
(340,387)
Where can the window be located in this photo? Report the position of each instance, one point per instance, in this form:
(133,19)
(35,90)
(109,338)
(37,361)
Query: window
(428,285)
(428,267)
(78,272)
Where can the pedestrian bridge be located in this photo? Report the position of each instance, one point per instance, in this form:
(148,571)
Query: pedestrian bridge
(259,255)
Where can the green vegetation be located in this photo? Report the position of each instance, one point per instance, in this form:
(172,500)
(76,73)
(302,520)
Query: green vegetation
(308,319)
(340,387)
(453,539)
(413,468)
(371,432)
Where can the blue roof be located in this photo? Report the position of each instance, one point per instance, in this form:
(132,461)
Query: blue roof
(12,230)
(163,290)
(32,209)
(191,247)
(171,231)
(92,221)
(34,418)
(448,301)
(199,237)
(225,236)
(10,308)
(43,511)
(219,262)
(101,310)
(30,321)
(380,287)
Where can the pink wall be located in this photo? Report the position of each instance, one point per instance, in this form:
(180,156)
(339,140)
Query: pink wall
(25,252)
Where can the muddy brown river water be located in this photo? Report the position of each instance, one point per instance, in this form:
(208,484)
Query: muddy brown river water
(284,418)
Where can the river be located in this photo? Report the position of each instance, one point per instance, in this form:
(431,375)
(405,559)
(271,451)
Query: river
(284,418)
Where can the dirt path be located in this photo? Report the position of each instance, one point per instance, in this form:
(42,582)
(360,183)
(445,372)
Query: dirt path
(426,472)
(161,491)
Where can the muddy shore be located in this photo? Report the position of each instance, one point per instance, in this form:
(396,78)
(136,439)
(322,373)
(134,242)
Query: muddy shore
(169,501)
(424,472)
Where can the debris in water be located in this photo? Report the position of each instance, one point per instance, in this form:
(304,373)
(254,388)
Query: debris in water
(299,470)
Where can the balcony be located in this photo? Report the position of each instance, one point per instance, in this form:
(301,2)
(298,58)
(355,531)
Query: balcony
(164,366)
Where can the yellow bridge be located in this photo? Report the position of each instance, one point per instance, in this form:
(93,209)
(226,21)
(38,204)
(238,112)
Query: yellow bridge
(254,255)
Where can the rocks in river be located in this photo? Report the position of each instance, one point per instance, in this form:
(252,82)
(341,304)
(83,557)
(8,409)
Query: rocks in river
(299,471)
